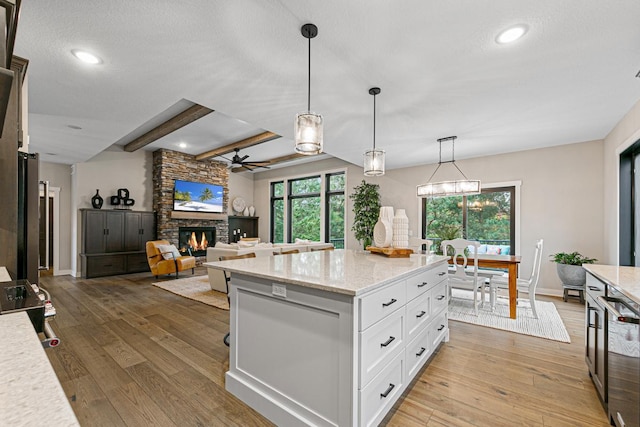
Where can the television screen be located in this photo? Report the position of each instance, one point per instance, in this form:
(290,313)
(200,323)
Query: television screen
(197,197)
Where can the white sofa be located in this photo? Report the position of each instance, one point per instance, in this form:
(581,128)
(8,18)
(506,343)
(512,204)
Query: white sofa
(216,277)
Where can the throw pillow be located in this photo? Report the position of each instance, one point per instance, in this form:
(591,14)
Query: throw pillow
(169,251)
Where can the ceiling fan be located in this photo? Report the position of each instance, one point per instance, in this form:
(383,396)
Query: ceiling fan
(238,160)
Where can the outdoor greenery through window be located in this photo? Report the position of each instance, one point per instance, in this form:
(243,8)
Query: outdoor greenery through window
(488,217)
(305,217)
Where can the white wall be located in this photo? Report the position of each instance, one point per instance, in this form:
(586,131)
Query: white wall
(59,176)
(626,132)
(240,185)
(561,196)
(108,171)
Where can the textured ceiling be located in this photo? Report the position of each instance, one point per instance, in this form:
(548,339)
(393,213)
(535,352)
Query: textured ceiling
(570,79)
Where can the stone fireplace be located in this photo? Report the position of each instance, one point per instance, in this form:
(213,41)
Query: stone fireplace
(196,239)
(169,165)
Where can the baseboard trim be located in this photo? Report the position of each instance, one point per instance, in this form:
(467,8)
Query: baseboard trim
(64,273)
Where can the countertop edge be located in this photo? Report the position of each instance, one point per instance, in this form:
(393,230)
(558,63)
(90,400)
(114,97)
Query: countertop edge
(589,268)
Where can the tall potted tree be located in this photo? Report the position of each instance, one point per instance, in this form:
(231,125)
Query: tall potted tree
(366,207)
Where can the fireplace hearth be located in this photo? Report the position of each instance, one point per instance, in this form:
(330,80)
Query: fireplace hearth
(196,240)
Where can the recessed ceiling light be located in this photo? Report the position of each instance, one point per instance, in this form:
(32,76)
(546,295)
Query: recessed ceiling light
(85,56)
(182,145)
(511,34)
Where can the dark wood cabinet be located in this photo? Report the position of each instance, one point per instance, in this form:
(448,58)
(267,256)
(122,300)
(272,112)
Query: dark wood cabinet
(113,242)
(242,226)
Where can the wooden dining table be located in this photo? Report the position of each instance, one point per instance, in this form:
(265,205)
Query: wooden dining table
(509,262)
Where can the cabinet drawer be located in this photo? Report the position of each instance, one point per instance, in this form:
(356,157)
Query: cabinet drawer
(438,329)
(418,315)
(379,344)
(105,265)
(417,353)
(381,303)
(382,392)
(424,281)
(137,263)
(440,297)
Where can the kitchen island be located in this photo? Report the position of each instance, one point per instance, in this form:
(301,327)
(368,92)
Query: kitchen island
(332,337)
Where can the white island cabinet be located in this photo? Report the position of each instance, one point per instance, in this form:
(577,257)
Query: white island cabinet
(332,338)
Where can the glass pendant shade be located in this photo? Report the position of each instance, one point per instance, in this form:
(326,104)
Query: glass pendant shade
(461,187)
(308,133)
(449,188)
(374,162)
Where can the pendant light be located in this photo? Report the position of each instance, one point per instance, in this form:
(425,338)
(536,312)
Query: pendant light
(308,126)
(461,187)
(374,159)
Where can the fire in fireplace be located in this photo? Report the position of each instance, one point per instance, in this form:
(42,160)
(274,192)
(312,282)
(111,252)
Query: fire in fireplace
(196,240)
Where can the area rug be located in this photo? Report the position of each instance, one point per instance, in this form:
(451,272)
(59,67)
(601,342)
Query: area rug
(548,325)
(196,288)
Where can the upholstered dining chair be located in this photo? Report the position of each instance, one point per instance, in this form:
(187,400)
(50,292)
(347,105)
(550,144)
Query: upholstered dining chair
(525,285)
(463,276)
(227,279)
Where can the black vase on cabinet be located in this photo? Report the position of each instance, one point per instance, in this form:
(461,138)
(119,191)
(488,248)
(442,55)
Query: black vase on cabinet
(97,201)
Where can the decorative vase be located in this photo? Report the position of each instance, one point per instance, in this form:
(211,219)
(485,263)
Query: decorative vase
(252,211)
(383,230)
(246,212)
(400,230)
(97,201)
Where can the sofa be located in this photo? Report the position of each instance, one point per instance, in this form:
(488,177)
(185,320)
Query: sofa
(216,277)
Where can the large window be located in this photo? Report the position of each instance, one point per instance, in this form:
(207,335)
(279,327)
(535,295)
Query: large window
(314,209)
(488,217)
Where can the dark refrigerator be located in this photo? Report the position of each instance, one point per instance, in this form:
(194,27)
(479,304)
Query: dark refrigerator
(28,226)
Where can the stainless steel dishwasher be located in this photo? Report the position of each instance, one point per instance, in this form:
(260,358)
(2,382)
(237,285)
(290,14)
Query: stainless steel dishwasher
(623,379)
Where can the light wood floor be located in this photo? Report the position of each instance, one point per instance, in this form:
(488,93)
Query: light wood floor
(136,355)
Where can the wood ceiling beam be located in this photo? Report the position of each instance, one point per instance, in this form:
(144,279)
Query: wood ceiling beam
(189,115)
(273,161)
(244,143)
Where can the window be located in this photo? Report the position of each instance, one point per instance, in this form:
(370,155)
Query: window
(304,209)
(629,213)
(314,209)
(334,229)
(277,212)
(488,217)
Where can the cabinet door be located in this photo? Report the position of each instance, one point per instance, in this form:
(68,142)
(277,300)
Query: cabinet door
(114,241)
(148,228)
(94,232)
(132,229)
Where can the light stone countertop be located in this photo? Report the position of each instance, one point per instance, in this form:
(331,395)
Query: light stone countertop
(625,279)
(30,393)
(341,271)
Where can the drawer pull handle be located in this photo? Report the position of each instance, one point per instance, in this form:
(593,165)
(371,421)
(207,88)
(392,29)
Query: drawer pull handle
(387,342)
(594,288)
(441,327)
(442,273)
(387,391)
(421,352)
(387,304)
(422,313)
(440,297)
(422,284)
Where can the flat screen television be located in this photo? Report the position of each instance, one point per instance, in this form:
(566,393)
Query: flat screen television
(197,197)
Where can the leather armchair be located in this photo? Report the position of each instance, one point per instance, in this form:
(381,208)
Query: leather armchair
(159,265)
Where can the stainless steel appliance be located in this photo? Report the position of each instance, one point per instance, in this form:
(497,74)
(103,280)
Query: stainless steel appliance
(20,295)
(596,337)
(623,360)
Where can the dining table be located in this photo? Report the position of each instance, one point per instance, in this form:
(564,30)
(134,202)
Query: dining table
(508,262)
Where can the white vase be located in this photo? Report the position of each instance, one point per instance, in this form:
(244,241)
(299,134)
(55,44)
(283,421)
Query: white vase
(246,212)
(383,230)
(252,211)
(386,213)
(400,237)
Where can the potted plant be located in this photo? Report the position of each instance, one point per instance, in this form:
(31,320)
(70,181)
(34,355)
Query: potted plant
(366,207)
(569,267)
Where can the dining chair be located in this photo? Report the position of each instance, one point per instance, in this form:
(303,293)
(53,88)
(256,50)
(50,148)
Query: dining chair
(462,275)
(227,279)
(525,285)
(290,251)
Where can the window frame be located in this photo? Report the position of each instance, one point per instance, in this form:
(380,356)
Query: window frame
(272,199)
(292,197)
(327,200)
(491,187)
